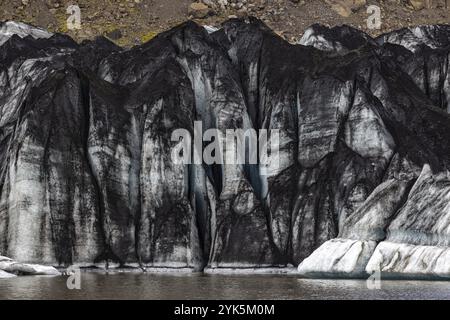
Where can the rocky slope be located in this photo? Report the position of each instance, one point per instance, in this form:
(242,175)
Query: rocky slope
(87,176)
(131,22)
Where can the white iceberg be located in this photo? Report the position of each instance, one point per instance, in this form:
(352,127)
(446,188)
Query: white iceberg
(11,266)
(399,260)
(338,258)
(6,275)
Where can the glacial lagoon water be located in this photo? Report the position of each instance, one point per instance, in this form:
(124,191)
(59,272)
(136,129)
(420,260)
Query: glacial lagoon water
(203,286)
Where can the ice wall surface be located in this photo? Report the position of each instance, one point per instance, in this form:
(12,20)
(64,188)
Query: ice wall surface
(85,149)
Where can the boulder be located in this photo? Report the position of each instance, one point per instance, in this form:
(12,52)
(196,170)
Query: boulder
(198,10)
(346,7)
(418,4)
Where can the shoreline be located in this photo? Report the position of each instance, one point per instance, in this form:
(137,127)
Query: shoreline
(190,271)
(263,271)
(290,272)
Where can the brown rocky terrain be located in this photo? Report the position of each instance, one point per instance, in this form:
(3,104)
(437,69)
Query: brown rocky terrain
(129,22)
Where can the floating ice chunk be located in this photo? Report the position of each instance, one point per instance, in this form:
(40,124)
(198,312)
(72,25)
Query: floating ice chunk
(6,275)
(338,258)
(29,269)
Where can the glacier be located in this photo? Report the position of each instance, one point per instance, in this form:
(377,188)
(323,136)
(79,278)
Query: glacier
(86,176)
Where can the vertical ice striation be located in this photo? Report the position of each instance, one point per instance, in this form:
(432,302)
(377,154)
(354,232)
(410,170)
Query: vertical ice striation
(86,174)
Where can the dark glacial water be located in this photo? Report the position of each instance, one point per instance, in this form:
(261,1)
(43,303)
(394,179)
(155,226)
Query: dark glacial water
(198,286)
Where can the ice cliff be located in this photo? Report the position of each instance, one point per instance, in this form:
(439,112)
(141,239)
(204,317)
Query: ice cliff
(85,150)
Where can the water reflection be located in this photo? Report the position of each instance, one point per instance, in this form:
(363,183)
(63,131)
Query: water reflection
(199,286)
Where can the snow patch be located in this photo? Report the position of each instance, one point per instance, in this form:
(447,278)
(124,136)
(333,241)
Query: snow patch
(10,28)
